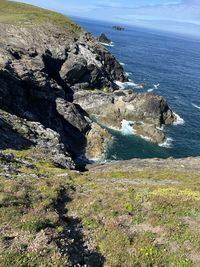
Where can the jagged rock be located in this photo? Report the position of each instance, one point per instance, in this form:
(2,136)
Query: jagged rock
(150,131)
(104,39)
(73,69)
(111,109)
(40,66)
(73,114)
(45,70)
(97,139)
(41,137)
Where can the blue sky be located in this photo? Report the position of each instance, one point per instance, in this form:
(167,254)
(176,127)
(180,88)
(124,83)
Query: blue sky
(173,15)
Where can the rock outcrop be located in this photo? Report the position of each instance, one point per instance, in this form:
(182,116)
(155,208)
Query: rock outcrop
(40,68)
(118,28)
(104,39)
(146,112)
(49,68)
(97,140)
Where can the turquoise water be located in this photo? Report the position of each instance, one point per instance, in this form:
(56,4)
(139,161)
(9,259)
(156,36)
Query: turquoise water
(155,58)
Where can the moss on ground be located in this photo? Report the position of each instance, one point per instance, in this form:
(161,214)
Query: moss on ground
(27,15)
(142,218)
(138,218)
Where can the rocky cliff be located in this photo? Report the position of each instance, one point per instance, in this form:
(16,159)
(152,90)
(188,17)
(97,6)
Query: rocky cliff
(46,62)
(53,76)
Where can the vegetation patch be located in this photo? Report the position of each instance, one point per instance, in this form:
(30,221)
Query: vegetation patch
(26,15)
(48,215)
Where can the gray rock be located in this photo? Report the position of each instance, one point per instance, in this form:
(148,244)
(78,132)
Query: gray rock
(39,69)
(148,112)
(104,39)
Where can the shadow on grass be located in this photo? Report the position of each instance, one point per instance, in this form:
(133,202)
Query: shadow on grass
(71,242)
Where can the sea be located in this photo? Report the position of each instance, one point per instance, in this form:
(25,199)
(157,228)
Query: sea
(168,65)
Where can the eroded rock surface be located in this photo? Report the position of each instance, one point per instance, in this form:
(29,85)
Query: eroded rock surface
(40,67)
(96,142)
(104,39)
(52,78)
(146,112)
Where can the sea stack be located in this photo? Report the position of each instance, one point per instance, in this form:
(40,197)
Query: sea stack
(104,39)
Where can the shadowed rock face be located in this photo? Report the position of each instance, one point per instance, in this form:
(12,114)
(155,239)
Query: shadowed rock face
(104,39)
(44,73)
(40,67)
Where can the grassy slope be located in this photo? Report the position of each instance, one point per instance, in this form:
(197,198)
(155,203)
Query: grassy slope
(137,218)
(27,15)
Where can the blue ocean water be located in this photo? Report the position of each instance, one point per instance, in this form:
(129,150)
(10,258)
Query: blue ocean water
(155,58)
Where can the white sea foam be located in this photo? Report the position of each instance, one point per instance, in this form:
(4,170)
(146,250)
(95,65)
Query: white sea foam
(195,106)
(109,45)
(156,86)
(129,85)
(160,128)
(122,64)
(167,143)
(128,74)
(179,120)
(126,127)
(145,137)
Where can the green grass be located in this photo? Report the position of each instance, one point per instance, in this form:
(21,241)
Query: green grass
(28,217)
(129,224)
(153,224)
(27,15)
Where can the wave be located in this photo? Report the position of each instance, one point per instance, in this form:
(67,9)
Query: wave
(126,127)
(128,74)
(129,85)
(145,138)
(122,64)
(156,86)
(109,45)
(179,120)
(167,143)
(195,106)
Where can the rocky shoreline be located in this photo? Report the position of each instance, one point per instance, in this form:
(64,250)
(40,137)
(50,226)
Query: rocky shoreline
(58,97)
(145,113)
(54,79)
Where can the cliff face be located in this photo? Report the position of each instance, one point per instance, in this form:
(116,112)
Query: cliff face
(45,59)
(138,212)
(40,67)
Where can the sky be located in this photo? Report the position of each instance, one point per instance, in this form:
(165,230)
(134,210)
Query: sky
(182,16)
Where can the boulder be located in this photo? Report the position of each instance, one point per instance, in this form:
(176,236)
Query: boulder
(73,69)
